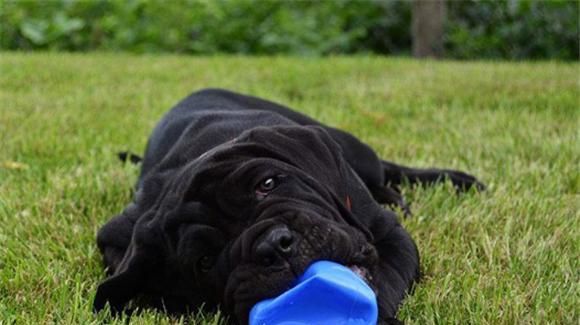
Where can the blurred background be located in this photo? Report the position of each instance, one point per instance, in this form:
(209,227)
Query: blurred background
(514,29)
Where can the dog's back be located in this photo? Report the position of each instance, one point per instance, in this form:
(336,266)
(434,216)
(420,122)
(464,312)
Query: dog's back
(202,121)
(209,117)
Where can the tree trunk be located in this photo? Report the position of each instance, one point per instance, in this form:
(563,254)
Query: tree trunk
(427,29)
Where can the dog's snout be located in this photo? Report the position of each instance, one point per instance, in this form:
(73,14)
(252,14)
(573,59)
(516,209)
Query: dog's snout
(275,245)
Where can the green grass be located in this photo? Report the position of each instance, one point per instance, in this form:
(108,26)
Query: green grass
(506,256)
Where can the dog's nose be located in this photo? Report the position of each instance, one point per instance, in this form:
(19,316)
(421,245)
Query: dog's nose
(275,245)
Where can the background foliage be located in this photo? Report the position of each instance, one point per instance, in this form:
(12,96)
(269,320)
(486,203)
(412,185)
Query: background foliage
(475,29)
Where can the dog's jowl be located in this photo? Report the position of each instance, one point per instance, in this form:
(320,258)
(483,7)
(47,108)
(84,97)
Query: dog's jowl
(237,196)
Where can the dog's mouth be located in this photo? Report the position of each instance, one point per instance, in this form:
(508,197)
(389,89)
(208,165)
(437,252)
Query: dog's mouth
(252,281)
(362,272)
(264,286)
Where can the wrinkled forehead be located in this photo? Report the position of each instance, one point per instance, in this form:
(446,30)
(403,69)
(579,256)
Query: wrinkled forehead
(235,164)
(304,152)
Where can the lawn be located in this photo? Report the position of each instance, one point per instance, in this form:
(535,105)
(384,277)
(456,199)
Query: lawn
(508,255)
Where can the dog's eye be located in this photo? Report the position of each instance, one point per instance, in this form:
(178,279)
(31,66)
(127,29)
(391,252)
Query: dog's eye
(205,263)
(267,185)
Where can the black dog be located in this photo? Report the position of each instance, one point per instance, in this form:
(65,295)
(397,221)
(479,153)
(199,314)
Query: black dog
(238,195)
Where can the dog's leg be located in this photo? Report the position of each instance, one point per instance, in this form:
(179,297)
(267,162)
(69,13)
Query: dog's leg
(390,196)
(398,269)
(397,174)
(114,237)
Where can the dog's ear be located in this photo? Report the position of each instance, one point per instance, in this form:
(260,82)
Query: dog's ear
(146,266)
(136,272)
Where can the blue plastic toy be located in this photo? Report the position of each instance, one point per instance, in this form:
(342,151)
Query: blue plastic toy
(326,294)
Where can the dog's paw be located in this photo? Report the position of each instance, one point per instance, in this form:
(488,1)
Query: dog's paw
(391,197)
(463,181)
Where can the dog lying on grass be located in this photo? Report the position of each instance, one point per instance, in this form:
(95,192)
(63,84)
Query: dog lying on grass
(237,196)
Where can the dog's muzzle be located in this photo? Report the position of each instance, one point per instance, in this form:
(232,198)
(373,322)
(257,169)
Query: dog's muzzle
(275,246)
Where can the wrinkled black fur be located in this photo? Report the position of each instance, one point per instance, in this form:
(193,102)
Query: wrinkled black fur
(196,202)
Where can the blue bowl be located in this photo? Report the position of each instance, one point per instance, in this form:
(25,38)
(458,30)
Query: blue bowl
(326,294)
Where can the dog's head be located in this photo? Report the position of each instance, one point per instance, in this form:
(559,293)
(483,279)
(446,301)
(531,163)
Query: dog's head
(241,222)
